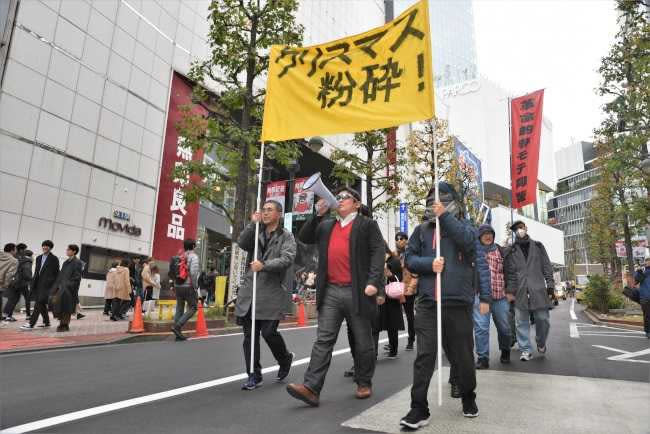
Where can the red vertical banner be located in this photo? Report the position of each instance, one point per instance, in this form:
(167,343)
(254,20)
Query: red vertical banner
(176,219)
(276,191)
(526,125)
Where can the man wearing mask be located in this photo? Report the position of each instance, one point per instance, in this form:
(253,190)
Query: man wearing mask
(410,287)
(642,277)
(458,245)
(499,306)
(349,282)
(276,253)
(46,272)
(529,282)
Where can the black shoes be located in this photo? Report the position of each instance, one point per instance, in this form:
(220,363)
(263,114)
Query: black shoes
(469,406)
(80,316)
(483,363)
(505,356)
(283,372)
(409,346)
(416,418)
(179,335)
(455,391)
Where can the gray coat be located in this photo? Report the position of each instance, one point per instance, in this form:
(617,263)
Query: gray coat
(277,256)
(528,279)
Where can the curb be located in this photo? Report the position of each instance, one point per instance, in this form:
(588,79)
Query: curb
(593,317)
(130,338)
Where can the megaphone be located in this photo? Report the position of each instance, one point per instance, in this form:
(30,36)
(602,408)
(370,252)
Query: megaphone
(315,184)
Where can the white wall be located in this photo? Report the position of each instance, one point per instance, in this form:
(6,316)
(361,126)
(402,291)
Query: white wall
(553,239)
(569,160)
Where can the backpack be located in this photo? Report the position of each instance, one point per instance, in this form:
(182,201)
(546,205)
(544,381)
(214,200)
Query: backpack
(178,270)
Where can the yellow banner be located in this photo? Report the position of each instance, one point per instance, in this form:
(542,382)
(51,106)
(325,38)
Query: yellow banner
(378,79)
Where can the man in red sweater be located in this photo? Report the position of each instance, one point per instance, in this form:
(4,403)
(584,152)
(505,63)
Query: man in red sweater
(349,283)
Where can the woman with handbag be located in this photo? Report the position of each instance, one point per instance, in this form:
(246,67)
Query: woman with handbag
(390,312)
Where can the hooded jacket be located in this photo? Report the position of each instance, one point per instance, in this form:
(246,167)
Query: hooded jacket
(8,267)
(23,273)
(459,246)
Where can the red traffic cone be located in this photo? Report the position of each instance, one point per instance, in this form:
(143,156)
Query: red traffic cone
(201,326)
(301,314)
(137,325)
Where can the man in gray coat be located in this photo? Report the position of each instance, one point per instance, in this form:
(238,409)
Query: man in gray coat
(529,282)
(276,253)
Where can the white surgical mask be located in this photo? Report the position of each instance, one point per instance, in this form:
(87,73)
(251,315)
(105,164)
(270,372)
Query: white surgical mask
(521,232)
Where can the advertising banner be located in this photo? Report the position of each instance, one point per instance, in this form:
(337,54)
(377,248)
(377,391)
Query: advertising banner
(276,191)
(303,200)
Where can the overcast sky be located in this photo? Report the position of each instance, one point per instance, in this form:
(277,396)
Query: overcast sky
(525,45)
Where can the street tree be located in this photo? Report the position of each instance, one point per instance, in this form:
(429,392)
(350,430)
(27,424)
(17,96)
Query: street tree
(600,235)
(624,133)
(241,33)
(368,154)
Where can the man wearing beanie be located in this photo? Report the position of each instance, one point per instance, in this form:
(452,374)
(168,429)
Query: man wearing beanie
(499,306)
(458,256)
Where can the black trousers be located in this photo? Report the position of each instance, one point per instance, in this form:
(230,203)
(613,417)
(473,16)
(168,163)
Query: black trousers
(40,308)
(108,302)
(458,337)
(119,307)
(269,331)
(13,296)
(393,336)
(645,306)
(409,310)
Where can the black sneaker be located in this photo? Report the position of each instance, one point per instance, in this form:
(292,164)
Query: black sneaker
(409,346)
(391,356)
(505,356)
(469,406)
(285,368)
(252,383)
(44,326)
(179,336)
(483,363)
(10,319)
(455,391)
(416,418)
(80,316)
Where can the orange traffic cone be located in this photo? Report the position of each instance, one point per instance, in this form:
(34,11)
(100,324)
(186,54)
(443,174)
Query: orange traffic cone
(137,325)
(301,314)
(201,326)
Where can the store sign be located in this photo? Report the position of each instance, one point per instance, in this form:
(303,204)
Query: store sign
(638,249)
(121,215)
(404,217)
(176,219)
(120,227)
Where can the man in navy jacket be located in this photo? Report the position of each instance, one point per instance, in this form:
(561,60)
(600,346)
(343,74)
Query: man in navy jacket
(459,257)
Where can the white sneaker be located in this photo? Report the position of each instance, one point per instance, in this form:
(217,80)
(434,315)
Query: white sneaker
(525,356)
(26,326)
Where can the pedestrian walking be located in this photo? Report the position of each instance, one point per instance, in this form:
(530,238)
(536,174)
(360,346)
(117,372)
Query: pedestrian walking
(20,284)
(276,253)
(499,306)
(147,280)
(203,287)
(46,272)
(642,278)
(456,263)
(65,293)
(410,287)
(135,270)
(8,267)
(118,287)
(109,290)
(186,285)
(350,278)
(390,316)
(530,284)
(212,281)
(155,273)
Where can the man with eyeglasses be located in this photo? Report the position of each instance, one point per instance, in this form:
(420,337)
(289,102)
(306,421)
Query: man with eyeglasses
(350,283)
(276,253)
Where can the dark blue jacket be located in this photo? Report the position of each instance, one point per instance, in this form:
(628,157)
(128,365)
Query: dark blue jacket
(459,246)
(643,276)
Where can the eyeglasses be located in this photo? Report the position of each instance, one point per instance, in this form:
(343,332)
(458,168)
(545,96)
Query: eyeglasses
(342,196)
(268,210)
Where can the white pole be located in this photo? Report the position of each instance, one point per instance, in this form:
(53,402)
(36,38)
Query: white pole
(257,234)
(438,278)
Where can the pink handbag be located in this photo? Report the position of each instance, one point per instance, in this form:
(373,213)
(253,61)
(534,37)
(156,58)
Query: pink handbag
(395,289)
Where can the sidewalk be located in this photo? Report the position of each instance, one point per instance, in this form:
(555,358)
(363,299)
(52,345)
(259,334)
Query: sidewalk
(95,328)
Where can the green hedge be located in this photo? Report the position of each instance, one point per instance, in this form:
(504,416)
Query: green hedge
(598,295)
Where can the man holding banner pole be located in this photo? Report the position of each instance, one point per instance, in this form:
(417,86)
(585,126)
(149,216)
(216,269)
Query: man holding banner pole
(443,254)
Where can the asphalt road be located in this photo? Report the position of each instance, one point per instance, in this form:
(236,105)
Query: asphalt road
(41,385)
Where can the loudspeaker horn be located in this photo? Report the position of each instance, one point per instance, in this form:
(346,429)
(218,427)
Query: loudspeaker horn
(315,184)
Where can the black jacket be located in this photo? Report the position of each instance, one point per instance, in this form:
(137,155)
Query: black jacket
(23,273)
(67,286)
(44,279)
(367,254)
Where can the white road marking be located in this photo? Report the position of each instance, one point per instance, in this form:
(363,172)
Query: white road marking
(608,327)
(626,356)
(146,399)
(572,310)
(573,330)
(614,335)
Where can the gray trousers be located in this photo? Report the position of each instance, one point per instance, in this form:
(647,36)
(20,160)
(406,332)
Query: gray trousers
(338,305)
(184,295)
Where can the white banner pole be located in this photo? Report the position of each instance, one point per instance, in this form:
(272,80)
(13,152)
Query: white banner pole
(438,278)
(257,234)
